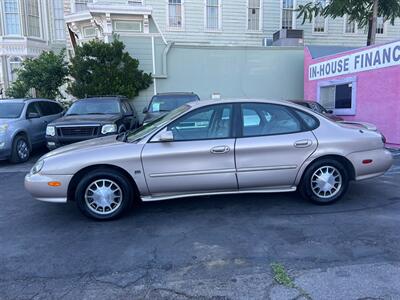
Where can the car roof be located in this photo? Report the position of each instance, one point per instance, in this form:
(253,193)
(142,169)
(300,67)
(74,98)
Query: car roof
(24,100)
(97,98)
(238,100)
(175,93)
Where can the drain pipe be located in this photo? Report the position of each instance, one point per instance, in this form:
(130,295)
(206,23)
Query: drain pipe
(164,73)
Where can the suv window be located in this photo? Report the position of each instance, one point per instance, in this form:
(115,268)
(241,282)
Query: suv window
(212,122)
(33,108)
(268,119)
(126,107)
(49,108)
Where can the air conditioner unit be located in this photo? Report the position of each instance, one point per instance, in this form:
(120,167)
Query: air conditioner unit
(288,37)
(267,42)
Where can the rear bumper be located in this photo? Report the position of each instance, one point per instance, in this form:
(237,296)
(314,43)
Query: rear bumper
(37,186)
(382,160)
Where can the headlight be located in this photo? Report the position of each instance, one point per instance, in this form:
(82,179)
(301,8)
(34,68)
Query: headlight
(3,128)
(50,130)
(37,167)
(108,128)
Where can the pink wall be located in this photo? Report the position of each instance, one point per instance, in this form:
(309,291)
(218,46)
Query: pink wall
(377,99)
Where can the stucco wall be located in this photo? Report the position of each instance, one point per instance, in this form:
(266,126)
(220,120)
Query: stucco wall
(377,95)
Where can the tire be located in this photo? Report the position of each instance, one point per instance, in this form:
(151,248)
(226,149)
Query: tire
(111,186)
(20,151)
(328,189)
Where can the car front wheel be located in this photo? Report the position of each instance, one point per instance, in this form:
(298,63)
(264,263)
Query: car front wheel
(324,182)
(20,150)
(104,194)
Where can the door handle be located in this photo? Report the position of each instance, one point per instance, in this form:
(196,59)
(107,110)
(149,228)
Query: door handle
(303,143)
(220,149)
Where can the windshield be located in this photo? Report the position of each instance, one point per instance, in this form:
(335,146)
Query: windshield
(155,124)
(10,110)
(94,107)
(170,102)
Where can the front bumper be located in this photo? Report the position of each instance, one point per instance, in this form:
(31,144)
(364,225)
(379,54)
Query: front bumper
(37,186)
(382,160)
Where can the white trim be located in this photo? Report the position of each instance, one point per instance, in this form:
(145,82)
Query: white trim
(139,21)
(334,82)
(153,57)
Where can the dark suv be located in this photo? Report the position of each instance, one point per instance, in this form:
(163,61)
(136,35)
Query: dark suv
(163,103)
(90,118)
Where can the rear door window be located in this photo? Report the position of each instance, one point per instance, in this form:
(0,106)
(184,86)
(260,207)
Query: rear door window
(268,119)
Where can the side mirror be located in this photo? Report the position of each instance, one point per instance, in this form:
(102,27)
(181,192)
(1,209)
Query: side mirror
(33,115)
(166,136)
(145,110)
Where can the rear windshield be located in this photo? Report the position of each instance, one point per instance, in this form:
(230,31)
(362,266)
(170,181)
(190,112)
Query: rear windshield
(10,110)
(170,102)
(94,107)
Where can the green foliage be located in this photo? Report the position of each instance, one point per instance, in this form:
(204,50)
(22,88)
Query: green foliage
(360,11)
(17,90)
(45,74)
(281,276)
(100,68)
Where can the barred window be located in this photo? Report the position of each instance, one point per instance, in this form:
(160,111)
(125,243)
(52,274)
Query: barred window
(319,21)
(175,13)
(349,26)
(288,11)
(380,25)
(254,10)
(213,17)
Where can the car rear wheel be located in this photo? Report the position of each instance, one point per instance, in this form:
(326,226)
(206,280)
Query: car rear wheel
(324,182)
(20,150)
(104,194)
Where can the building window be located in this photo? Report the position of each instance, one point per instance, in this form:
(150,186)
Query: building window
(288,10)
(175,10)
(319,21)
(81,5)
(213,14)
(380,25)
(89,31)
(33,18)
(58,16)
(253,15)
(15,65)
(349,26)
(11,16)
(339,96)
(128,26)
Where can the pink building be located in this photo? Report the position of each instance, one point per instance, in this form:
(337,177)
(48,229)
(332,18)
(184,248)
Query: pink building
(360,84)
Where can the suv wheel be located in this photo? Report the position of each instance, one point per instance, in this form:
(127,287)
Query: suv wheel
(20,149)
(104,194)
(325,182)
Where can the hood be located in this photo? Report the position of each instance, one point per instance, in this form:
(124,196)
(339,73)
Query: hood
(92,144)
(86,119)
(358,125)
(7,121)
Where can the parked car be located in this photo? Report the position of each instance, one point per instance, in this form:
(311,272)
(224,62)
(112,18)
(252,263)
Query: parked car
(90,118)
(315,106)
(23,126)
(211,148)
(163,103)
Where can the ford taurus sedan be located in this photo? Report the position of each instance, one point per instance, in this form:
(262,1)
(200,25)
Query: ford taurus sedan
(211,148)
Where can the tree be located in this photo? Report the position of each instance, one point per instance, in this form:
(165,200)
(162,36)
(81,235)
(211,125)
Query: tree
(100,68)
(364,12)
(45,74)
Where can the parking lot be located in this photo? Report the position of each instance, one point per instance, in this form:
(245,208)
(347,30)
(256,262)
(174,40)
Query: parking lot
(204,248)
